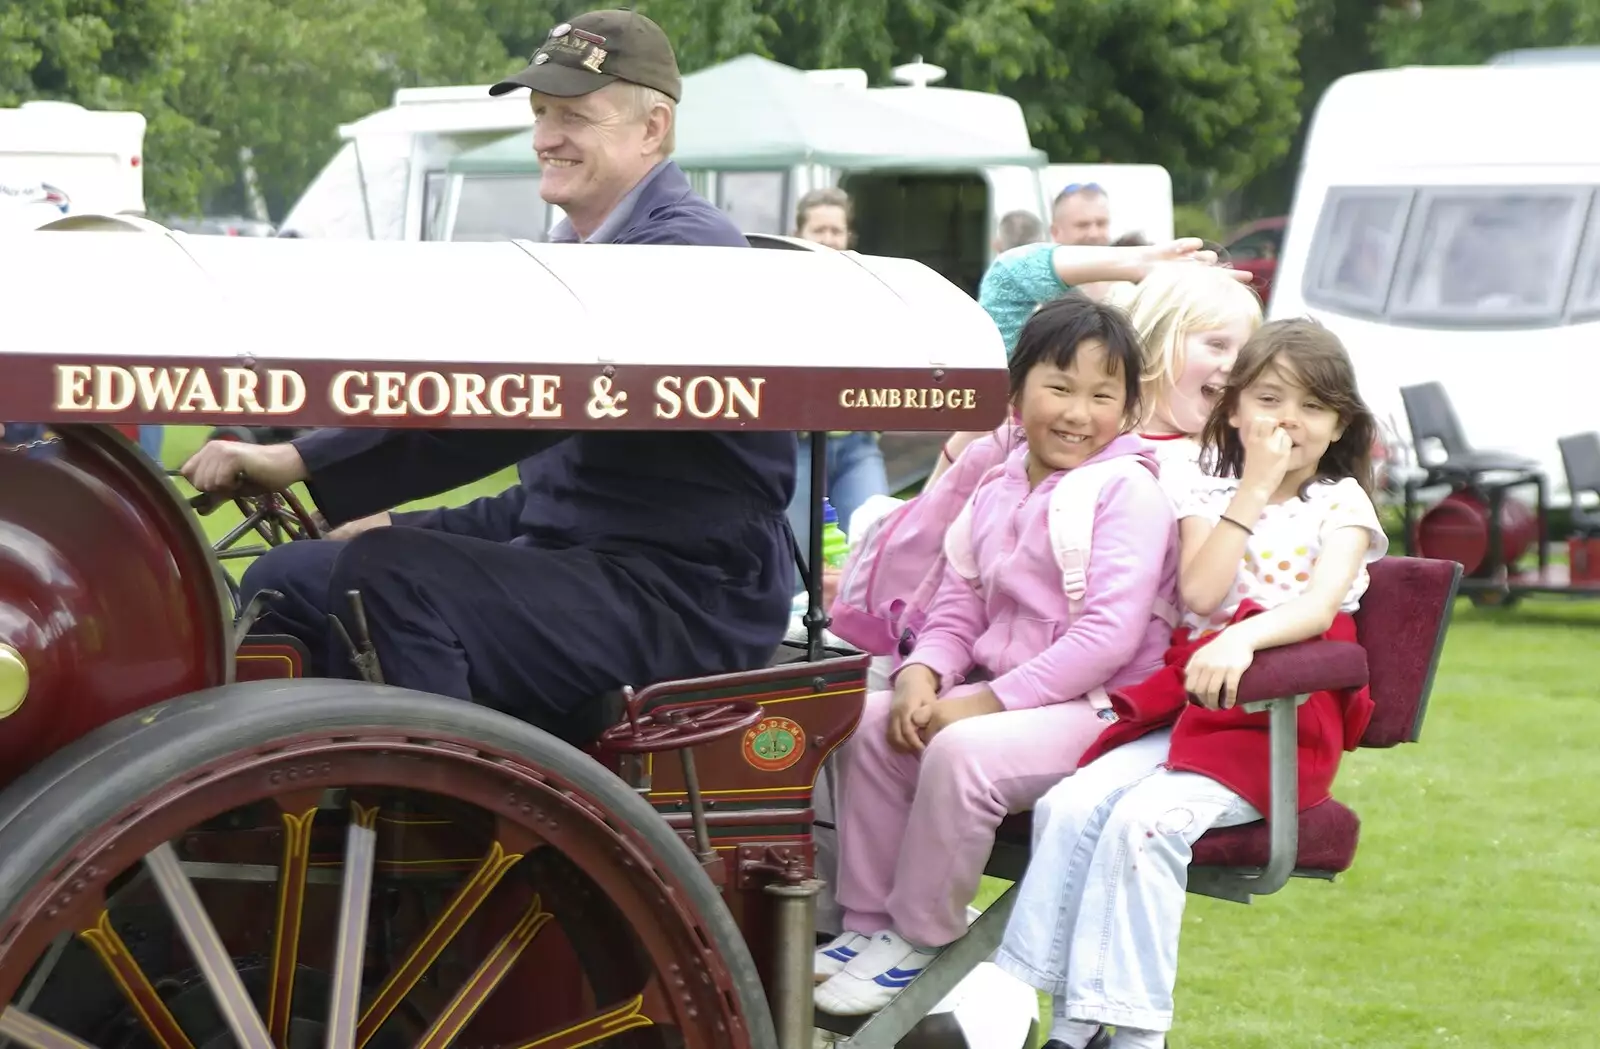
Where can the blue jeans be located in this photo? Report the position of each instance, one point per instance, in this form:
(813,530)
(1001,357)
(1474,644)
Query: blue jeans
(855,474)
(1099,910)
(150,440)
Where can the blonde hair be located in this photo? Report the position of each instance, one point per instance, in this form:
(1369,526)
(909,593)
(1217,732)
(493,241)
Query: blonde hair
(638,100)
(1173,303)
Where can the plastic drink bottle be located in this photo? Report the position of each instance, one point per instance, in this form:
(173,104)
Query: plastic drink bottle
(835,547)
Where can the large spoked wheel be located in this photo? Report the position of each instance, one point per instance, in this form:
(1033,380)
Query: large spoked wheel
(316,863)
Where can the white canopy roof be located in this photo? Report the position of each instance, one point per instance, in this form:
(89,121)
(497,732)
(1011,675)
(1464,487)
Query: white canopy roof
(846,331)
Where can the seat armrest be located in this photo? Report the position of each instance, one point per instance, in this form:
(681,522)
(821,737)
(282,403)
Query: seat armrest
(1300,669)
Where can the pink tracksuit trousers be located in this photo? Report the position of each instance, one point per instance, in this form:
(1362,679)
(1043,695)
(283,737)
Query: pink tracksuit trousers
(916,830)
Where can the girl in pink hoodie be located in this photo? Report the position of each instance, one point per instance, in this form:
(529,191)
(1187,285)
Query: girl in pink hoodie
(991,707)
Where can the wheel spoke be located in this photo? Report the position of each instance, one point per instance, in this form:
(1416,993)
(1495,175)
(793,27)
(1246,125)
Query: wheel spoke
(481,984)
(360,855)
(233,1002)
(432,943)
(134,984)
(286,933)
(29,1030)
(596,1028)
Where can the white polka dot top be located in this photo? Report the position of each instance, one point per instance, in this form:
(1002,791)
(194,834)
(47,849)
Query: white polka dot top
(1286,542)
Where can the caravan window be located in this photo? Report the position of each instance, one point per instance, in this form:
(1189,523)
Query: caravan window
(1353,253)
(498,207)
(434,185)
(1490,255)
(1586,281)
(754,199)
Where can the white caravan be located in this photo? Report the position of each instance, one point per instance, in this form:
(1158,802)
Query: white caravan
(387,180)
(1446,225)
(58,158)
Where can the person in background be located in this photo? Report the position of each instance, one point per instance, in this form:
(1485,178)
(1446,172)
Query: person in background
(855,462)
(1015,229)
(1081,214)
(150,438)
(18,434)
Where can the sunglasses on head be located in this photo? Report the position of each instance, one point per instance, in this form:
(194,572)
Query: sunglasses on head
(1077,187)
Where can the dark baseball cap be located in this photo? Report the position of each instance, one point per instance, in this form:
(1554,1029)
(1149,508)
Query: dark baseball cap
(596,49)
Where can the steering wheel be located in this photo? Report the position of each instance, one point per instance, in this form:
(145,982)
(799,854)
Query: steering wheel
(273,517)
(680,725)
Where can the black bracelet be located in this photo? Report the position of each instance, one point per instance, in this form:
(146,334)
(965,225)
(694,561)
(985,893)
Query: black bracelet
(1237,524)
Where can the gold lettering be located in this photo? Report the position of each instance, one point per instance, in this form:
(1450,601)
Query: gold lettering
(159,388)
(744,395)
(441,393)
(915,398)
(388,398)
(469,387)
(667,388)
(199,389)
(113,389)
(343,400)
(497,396)
(542,397)
(72,385)
(239,390)
(697,407)
(286,391)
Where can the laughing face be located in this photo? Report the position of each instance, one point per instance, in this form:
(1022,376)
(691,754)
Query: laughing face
(1207,357)
(593,149)
(1070,414)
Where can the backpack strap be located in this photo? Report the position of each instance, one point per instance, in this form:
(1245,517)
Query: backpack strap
(1072,511)
(958,549)
(1073,505)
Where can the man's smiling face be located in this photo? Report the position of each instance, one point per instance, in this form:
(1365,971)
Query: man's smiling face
(592,150)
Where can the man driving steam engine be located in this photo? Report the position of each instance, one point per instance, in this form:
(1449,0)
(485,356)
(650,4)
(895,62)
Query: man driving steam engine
(619,557)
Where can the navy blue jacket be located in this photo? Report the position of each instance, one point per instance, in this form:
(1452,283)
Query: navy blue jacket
(692,501)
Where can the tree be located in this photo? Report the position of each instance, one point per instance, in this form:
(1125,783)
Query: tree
(105,55)
(1207,88)
(280,76)
(1469,32)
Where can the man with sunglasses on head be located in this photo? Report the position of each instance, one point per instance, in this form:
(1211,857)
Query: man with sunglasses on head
(1081,214)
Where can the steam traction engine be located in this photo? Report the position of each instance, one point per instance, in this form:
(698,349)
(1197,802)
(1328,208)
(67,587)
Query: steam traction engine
(199,847)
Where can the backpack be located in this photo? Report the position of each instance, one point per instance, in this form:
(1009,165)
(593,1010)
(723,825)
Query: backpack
(890,578)
(898,561)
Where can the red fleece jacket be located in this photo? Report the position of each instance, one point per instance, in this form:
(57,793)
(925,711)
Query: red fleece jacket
(1231,746)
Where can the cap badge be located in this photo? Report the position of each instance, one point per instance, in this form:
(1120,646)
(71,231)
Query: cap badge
(560,31)
(597,55)
(541,58)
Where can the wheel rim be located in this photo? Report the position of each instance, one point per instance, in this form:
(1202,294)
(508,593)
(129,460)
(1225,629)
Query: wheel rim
(670,988)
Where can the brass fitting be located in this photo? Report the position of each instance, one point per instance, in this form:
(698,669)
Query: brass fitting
(13,680)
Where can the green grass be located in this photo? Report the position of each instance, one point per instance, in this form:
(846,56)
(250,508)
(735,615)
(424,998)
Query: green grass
(1472,916)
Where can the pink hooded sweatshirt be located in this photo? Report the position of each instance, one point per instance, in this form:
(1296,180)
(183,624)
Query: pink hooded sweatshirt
(1014,625)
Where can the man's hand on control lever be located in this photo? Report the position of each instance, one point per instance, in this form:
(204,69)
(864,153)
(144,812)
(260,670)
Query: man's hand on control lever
(237,468)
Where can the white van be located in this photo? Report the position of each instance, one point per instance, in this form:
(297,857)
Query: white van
(387,180)
(58,158)
(1446,225)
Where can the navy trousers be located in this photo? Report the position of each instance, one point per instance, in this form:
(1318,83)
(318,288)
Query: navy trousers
(539,634)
